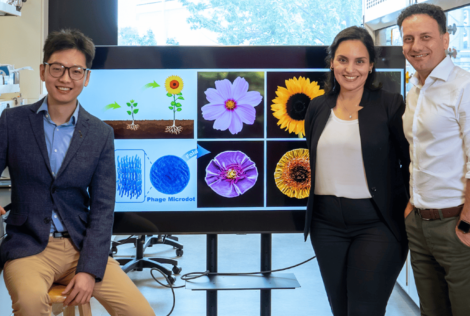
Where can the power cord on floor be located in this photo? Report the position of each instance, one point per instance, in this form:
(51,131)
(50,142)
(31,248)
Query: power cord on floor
(169,285)
(196,275)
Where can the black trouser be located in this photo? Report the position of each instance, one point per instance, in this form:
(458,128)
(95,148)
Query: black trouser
(358,255)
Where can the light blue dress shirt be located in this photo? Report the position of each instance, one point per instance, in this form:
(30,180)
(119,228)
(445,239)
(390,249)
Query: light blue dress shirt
(58,140)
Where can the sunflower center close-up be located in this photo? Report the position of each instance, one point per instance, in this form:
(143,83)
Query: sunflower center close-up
(297,106)
(230,104)
(174,84)
(299,174)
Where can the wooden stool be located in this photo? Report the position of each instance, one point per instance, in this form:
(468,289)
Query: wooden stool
(55,294)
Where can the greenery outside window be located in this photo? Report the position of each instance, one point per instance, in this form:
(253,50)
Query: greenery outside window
(240,22)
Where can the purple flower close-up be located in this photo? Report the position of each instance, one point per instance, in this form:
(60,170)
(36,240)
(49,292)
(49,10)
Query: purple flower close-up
(231,174)
(231,105)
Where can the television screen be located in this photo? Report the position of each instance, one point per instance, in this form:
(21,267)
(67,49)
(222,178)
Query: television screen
(205,129)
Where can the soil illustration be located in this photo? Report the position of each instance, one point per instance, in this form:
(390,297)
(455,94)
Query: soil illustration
(151,129)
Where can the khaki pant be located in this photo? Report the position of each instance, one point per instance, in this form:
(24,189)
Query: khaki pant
(441,266)
(28,281)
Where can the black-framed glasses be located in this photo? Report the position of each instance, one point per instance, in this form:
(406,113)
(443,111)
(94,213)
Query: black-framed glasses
(57,70)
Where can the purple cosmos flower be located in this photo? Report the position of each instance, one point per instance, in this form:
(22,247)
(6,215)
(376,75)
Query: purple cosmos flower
(231,173)
(231,105)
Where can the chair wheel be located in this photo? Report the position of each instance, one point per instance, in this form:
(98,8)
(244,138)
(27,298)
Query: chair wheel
(176,270)
(179,252)
(172,279)
(114,250)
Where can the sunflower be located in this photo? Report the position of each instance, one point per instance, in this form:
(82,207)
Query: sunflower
(174,84)
(292,102)
(408,77)
(293,175)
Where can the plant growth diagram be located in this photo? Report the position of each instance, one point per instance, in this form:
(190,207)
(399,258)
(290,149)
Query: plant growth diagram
(142,122)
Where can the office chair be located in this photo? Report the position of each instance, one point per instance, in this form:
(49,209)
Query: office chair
(152,240)
(165,240)
(139,262)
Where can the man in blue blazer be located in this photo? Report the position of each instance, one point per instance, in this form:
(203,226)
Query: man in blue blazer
(61,163)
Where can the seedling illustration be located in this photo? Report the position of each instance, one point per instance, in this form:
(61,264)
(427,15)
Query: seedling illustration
(173,86)
(132,111)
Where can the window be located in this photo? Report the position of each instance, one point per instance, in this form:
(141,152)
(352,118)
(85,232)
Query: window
(458,22)
(235,22)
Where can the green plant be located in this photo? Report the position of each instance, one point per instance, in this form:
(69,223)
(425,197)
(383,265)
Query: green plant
(173,86)
(133,111)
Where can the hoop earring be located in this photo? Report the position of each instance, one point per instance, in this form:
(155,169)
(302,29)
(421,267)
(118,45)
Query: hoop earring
(370,71)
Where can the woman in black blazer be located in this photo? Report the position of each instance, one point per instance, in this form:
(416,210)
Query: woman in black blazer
(359,159)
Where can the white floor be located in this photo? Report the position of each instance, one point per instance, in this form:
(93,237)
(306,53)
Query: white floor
(238,253)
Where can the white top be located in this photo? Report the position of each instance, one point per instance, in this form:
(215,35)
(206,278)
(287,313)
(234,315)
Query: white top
(339,168)
(437,126)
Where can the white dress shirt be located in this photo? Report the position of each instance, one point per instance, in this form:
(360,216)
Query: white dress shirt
(437,126)
(339,169)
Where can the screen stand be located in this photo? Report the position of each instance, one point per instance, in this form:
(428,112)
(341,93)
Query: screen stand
(264,282)
(265,299)
(211,265)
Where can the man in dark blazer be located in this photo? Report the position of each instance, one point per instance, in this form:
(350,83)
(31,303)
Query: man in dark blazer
(61,163)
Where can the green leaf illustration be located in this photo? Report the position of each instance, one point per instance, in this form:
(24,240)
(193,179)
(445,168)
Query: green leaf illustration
(132,101)
(178,104)
(181,93)
(169,94)
(129,112)
(151,85)
(171,108)
(112,106)
(135,104)
(173,103)
(180,98)
(128,104)
(136,110)
(178,109)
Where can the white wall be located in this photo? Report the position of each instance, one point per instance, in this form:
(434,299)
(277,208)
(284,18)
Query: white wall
(21,39)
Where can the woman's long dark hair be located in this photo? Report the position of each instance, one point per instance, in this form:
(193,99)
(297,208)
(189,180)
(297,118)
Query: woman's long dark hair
(351,33)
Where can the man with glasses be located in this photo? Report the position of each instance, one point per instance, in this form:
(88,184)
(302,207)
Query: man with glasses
(61,163)
(437,125)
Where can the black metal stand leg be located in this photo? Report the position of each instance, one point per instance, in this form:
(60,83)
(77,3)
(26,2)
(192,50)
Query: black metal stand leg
(211,259)
(266,263)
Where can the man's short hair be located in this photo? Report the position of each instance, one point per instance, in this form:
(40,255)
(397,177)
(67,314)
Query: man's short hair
(69,39)
(432,10)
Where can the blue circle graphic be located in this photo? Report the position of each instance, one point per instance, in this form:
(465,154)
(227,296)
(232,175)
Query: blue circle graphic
(169,174)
